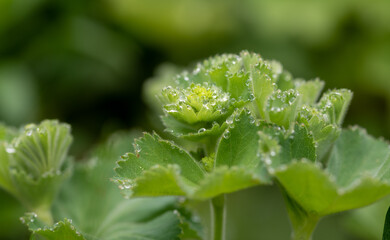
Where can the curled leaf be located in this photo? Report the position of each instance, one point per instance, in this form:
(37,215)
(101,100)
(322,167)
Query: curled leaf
(33,164)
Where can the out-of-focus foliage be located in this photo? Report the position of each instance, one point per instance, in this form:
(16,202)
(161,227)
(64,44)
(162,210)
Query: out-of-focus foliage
(368,222)
(90,207)
(179,28)
(63,59)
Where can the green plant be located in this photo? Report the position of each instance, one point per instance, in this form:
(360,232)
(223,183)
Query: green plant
(235,121)
(249,120)
(34,164)
(35,169)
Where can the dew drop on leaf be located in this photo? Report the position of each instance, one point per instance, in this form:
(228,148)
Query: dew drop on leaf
(268,161)
(226,134)
(201,130)
(10,150)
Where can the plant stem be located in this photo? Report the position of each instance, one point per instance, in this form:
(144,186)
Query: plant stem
(303,222)
(305,229)
(218,214)
(44,214)
(210,145)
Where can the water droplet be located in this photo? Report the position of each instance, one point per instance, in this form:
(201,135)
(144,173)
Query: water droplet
(226,134)
(10,150)
(172,111)
(229,120)
(29,132)
(127,186)
(201,130)
(268,161)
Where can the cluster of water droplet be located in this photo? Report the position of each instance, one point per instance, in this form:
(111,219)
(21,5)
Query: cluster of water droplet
(197,103)
(126,186)
(282,100)
(268,145)
(32,217)
(307,113)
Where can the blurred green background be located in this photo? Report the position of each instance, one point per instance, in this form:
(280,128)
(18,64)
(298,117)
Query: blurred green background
(84,62)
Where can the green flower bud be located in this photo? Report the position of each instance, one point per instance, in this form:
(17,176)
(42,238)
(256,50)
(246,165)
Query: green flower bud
(197,103)
(33,165)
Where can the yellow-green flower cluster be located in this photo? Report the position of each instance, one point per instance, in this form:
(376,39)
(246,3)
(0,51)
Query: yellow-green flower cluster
(197,103)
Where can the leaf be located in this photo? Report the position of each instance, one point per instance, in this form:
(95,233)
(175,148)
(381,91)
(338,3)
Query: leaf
(152,150)
(116,218)
(42,148)
(218,76)
(282,108)
(164,227)
(61,230)
(225,180)
(249,59)
(191,228)
(159,228)
(309,91)
(38,194)
(356,175)
(356,155)
(199,111)
(33,164)
(295,146)
(239,146)
(335,104)
(324,133)
(285,81)
(170,183)
(238,86)
(263,87)
(161,168)
(184,131)
(308,185)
